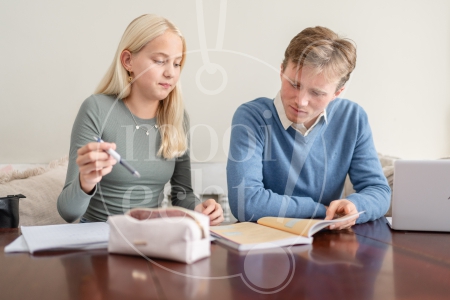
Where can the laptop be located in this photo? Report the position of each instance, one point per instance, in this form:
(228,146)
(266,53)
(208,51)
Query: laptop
(421,195)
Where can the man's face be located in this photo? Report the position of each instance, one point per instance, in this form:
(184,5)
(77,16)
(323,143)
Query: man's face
(305,94)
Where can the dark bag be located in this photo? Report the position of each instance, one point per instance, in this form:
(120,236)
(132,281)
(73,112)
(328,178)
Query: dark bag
(9,211)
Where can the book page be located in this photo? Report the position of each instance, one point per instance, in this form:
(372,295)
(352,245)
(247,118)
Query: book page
(303,227)
(248,233)
(295,226)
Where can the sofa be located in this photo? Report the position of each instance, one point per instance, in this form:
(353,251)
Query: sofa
(41,185)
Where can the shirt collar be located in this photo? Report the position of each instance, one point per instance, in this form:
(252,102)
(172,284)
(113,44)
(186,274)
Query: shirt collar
(286,122)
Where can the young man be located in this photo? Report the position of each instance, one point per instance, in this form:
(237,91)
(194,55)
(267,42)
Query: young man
(289,156)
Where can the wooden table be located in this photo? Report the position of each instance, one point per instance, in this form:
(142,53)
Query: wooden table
(369,262)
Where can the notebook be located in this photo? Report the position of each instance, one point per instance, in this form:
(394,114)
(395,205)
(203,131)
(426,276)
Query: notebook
(421,195)
(83,236)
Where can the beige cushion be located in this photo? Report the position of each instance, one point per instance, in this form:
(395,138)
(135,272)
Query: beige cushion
(42,187)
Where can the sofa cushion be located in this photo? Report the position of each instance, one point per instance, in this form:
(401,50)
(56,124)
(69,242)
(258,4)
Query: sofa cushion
(42,187)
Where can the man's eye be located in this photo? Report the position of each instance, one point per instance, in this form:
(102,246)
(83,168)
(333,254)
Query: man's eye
(295,86)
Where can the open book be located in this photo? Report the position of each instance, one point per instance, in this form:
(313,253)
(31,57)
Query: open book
(271,232)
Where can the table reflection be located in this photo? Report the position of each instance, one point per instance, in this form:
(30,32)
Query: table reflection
(190,280)
(317,271)
(103,276)
(340,249)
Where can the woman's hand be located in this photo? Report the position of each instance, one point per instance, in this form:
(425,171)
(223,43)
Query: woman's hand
(94,163)
(212,209)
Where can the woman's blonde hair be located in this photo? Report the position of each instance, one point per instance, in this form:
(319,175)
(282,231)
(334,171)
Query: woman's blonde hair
(323,50)
(170,113)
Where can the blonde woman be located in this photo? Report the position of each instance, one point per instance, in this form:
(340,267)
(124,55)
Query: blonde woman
(138,108)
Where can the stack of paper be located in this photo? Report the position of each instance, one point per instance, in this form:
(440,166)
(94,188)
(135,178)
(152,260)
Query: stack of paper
(61,237)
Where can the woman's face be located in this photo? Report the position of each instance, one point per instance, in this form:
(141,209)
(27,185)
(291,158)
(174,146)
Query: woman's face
(156,67)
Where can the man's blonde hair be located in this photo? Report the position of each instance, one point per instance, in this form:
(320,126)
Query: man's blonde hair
(324,51)
(170,113)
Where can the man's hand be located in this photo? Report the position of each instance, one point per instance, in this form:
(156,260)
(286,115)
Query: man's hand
(212,209)
(340,208)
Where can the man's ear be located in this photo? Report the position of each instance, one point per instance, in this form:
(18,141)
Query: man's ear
(338,92)
(125,59)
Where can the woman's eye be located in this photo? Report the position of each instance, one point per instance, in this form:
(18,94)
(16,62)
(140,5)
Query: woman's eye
(159,62)
(177,65)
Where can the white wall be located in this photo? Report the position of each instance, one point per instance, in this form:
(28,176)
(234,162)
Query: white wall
(53,54)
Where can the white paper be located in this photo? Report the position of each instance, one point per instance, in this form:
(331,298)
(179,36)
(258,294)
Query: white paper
(389,221)
(84,236)
(18,245)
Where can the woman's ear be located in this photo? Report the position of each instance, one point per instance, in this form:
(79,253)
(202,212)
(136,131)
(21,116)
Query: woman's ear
(125,59)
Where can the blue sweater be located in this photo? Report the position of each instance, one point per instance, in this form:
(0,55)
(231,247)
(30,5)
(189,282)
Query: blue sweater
(276,172)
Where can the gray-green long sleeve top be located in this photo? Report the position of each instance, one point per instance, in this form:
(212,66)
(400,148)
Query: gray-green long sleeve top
(104,116)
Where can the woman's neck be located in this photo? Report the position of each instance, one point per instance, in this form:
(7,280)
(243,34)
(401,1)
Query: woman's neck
(144,109)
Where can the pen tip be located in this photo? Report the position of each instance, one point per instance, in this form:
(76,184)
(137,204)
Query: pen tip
(136,174)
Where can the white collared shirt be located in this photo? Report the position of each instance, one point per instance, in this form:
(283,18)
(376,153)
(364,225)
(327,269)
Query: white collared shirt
(297,126)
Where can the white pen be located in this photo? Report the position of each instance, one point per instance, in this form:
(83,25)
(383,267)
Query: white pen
(120,160)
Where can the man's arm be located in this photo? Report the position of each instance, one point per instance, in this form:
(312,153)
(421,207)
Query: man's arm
(373,194)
